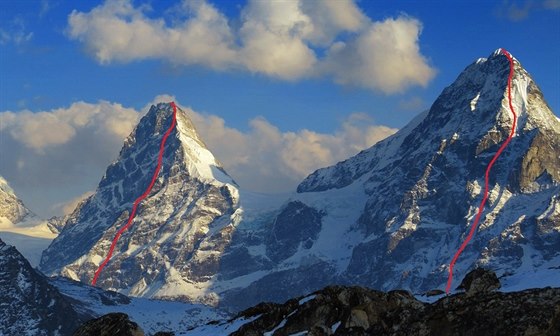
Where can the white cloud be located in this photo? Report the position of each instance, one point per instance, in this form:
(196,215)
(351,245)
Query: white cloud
(282,39)
(118,31)
(52,156)
(272,39)
(385,57)
(42,130)
(48,169)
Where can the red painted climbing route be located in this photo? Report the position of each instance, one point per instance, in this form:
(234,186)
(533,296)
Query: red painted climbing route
(486,175)
(139,199)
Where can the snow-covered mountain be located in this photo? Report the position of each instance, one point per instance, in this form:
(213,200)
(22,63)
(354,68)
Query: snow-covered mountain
(393,215)
(29,305)
(21,228)
(12,208)
(390,217)
(179,229)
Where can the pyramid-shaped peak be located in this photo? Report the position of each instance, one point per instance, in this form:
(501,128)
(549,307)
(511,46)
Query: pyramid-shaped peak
(160,117)
(183,147)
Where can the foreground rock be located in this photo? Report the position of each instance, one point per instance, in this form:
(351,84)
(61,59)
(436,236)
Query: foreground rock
(339,310)
(114,324)
(480,280)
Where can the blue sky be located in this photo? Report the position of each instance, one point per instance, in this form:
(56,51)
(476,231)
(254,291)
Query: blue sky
(57,54)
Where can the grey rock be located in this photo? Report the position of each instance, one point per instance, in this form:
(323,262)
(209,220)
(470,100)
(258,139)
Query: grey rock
(479,281)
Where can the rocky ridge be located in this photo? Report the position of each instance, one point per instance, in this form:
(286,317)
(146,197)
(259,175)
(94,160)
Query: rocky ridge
(29,305)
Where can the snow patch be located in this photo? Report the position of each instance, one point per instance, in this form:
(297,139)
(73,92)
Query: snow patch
(307,299)
(474,101)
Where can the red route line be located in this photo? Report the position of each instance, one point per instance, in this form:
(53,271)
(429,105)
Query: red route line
(481,207)
(139,199)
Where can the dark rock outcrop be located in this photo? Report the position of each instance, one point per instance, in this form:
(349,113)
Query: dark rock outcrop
(113,324)
(480,280)
(339,310)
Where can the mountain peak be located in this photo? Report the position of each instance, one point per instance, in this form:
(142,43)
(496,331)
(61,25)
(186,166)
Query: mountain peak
(424,183)
(11,207)
(196,156)
(190,201)
(161,116)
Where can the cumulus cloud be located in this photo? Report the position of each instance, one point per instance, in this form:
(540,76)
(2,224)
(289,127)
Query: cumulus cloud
(281,39)
(52,156)
(118,31)
(385,57)
(42,130)
(51,171)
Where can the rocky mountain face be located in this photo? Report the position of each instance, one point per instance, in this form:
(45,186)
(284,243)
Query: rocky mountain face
(341,310)
(11,207)
(29,305)
(179,229)
(393,215)
(390,217)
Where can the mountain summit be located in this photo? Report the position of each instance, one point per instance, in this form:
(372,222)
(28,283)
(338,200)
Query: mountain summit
(192,204)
